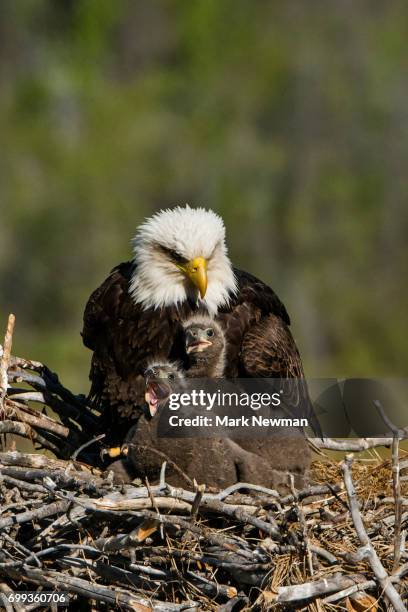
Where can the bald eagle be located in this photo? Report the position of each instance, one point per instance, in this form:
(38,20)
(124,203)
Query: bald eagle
(180,268)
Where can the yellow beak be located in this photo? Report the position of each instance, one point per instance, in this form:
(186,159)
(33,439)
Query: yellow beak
(196,272)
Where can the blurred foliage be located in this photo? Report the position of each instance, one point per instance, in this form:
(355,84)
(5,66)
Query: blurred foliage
(289,118)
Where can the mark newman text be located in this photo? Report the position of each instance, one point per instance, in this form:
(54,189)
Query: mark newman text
(242,421)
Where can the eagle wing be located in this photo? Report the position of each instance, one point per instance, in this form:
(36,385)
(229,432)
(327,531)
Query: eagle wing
(269,350)
(124,339)
(261,345)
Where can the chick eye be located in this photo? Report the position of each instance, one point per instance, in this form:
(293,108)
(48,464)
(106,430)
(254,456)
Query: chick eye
(171,376)
(210,332)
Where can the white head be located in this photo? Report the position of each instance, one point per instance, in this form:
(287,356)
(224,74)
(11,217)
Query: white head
(180,254)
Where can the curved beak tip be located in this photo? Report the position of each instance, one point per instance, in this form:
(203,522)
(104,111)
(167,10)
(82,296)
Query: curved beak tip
(196,272)
(203,289)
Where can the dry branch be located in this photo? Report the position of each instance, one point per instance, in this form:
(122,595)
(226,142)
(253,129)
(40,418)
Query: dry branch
(398,501)
(356,445)
(5,353)
(388,588)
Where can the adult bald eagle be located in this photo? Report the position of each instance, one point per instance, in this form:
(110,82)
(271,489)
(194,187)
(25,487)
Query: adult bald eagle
(180,268)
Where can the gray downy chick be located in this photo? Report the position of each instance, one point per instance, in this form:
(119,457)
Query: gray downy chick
(205,347)
(146,451)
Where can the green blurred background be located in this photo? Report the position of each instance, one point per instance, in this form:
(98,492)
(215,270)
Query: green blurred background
(288,118)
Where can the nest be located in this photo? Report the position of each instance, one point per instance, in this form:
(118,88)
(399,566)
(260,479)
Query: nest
(66,527)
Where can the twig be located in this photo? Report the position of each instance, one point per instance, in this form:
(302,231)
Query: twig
(396,484)
(245,485)
(32,417)
(26,431)
(156,507)
(85,445)
(302,523)
(389,590)
(197,500)
(32,515)
(120,541)
(325,554)
(357,445)
(91,590)
(241,515)
(4,362)
(5,590)
(313,491)
(361,586)
(211,589)
(214,538)
(310,590)
(22,549)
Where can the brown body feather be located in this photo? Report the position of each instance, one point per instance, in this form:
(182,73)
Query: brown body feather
(124,338)
(266,462)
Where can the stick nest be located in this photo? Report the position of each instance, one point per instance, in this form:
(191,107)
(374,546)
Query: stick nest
(65,526)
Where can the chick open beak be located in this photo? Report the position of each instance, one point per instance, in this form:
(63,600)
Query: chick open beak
(151,400)
(157,393)
(197,343)
(196,272)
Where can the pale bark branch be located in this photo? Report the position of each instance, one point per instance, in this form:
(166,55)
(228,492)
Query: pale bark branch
(383,578)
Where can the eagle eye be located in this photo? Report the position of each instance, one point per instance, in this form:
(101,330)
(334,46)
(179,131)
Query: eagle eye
(176,257)
(172,254)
